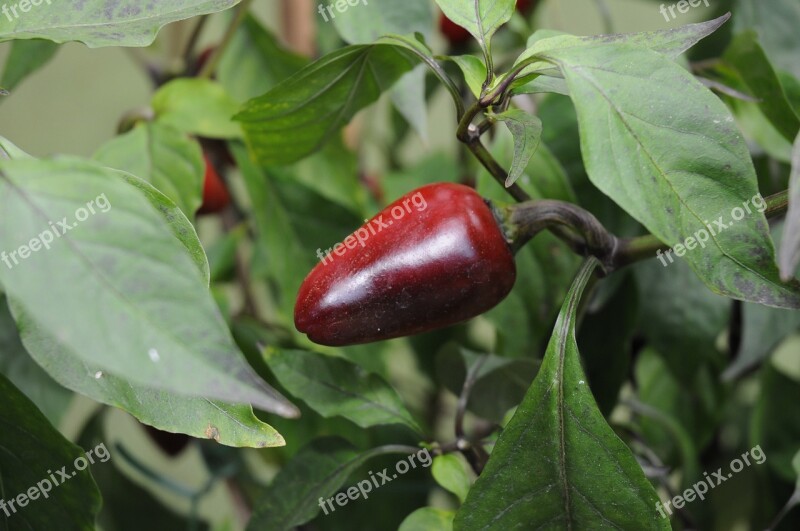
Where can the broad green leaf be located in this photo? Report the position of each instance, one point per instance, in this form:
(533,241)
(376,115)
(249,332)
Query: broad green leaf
(751,64)
(118,289)
(474,72)
(301,114)
(684,330)
(367,20)
(557,463)
(17,365)
(482,18)
(428,519)
(334,386)
(670,42)
(448,471)
(643,119)
(775,423)
(24,59)
(316,471)
(32,450)
(197,106)
(527,132)
(776,23)
(789,256)
(228,424)
(255,62)
(97,23)
(163,156)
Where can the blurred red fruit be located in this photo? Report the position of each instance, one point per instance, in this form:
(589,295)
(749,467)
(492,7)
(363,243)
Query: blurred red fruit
(215,194)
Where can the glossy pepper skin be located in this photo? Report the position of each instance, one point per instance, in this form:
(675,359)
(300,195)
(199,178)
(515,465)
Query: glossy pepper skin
(215,194)
(433,258)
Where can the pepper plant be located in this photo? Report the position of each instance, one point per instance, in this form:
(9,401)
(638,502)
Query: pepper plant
(439,266)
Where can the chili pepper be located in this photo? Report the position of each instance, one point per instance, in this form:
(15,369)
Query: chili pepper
(433,258)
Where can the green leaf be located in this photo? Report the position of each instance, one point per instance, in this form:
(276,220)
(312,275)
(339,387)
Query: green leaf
(367,20)
(557,463)
(474,72)
(643,118)
(527,132)
(163,156)
(750,62)
(317,471)
(301,114)
(51,399)
(789,256)
(228,424)
(684,329)
(32,450)
(482,18)
(408,97)
(119,289)
(428,519)
(334,386)
(775,423)
(670,43)
(97,23)
(25,58)
(255,62)
(197,106)
(448,471)
(776,23)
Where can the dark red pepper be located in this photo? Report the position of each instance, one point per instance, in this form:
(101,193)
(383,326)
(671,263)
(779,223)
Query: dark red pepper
(215,194)
(433,258)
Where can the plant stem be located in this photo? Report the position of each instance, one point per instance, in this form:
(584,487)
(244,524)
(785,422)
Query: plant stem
(213,61)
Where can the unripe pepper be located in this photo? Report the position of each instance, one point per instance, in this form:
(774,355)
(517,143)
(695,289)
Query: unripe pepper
(433,258)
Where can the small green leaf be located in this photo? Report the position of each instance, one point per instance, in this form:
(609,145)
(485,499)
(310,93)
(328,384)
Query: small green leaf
(255,62)
(297,117)
(448,471)
(482,18)
(32,450)
(25,58)
(760,79)
(557,463)
(527,132)
(197,106)
(776,23)
(97,23)
(428,519)
(9,151)
(334,386)
(368,20)
(317,471)
(163,156)
(474,72)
